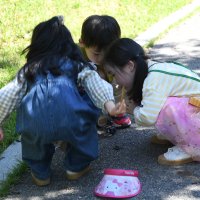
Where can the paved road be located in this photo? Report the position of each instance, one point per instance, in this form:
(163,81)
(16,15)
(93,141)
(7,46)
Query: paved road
(131,148)
(181,44)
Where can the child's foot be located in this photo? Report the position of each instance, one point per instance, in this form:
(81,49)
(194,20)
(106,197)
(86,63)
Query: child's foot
(40,182)
(158,139)
(62,145)
(102,121)
(76,175)
(174,156)
(121,121)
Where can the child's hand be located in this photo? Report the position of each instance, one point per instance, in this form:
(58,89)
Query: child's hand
(119,108)
(1,134)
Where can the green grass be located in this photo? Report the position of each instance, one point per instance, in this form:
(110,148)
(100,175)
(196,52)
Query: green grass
(153,41)
(13,178)
(19,17)
(9,131)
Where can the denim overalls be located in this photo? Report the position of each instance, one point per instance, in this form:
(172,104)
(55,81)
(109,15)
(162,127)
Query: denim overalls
(54,109)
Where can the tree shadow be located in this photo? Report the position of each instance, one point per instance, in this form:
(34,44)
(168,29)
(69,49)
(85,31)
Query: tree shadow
(173,52)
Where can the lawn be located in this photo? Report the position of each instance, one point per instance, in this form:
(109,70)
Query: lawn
(19,17)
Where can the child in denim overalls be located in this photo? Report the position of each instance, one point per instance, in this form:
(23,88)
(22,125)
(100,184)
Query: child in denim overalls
(54,108)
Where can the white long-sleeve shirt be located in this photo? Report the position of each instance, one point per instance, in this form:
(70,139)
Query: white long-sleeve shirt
(164,80)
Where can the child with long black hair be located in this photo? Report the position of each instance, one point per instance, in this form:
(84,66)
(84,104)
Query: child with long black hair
(55,108)
(165,95)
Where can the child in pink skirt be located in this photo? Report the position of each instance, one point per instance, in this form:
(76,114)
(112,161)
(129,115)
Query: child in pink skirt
(161,92)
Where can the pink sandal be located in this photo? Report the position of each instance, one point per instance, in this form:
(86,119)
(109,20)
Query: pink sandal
(118,183)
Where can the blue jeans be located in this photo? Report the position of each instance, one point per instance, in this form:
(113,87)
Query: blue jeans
(55,110)
(79,154)
(42,168)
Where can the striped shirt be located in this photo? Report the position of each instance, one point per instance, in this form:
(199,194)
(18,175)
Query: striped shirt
(10,97)
(164,80)
(98,90)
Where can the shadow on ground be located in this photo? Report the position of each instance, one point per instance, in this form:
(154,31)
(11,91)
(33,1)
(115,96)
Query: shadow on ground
(127,149)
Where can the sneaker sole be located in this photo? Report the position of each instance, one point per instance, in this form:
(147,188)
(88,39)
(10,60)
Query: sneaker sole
(40,182)
(163,161)
(76,175)
(121,126)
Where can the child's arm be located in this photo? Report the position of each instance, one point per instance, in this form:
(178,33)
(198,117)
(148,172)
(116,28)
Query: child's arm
(100,91)
(11,96)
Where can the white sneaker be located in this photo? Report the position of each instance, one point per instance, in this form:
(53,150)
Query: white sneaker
(174,156)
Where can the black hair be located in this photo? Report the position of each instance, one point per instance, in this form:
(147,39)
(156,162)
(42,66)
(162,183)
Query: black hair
(100,31)
(119,54)
(50,43)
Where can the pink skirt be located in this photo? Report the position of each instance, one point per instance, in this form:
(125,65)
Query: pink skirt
(179,122)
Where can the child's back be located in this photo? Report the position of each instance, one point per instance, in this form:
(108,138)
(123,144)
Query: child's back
(53,109)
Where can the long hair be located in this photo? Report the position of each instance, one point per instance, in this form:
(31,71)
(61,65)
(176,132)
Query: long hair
(119,54)
(50,43)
